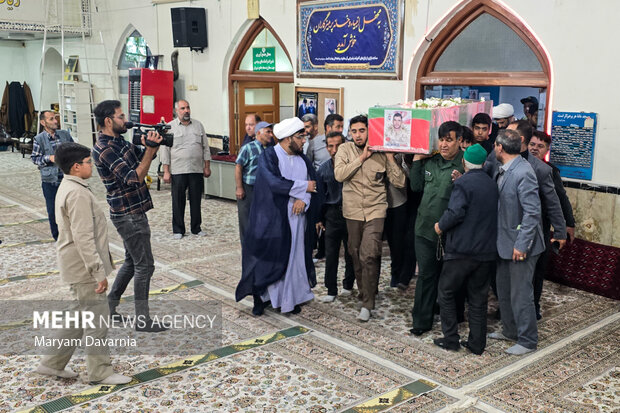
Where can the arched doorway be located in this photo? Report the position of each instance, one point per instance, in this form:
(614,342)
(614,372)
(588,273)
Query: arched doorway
(51,74)
(269,94)
(485,49)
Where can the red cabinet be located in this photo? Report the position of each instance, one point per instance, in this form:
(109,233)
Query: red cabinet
(151,95)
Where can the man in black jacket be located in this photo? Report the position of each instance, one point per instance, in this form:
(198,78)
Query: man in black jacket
(470,227)
(539,147)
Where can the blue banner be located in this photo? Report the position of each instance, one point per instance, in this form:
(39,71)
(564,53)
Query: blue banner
(361,37)
(572,143)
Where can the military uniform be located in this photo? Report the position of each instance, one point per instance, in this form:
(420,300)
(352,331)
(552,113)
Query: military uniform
(433,177)
(399,138)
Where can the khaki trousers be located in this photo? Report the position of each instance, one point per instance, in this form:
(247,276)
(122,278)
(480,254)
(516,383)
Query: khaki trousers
(97,358)
(365,241)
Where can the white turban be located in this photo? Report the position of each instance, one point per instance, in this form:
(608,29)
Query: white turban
(287,128)
(503,110)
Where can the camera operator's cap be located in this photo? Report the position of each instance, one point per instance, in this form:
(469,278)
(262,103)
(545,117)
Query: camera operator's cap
(475,154)
(288,127)
(529,99)
(503,110)
(261,125)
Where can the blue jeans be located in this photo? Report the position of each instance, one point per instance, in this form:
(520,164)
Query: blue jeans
(49,192)
(139,263)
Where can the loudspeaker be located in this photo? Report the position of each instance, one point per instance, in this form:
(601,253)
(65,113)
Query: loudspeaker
(189,27)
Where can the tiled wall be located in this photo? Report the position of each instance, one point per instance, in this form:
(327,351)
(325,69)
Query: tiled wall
(597,215)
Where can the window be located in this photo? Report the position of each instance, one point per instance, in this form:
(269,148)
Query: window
(266,39)
(484,50)
(487,45)
(134,54)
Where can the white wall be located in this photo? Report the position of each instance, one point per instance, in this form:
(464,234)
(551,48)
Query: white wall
(14,57)
(18,61)
(580,52)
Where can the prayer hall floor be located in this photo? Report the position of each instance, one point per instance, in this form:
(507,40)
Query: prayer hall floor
(320,360)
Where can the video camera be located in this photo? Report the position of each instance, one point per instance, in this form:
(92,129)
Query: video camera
(161,128)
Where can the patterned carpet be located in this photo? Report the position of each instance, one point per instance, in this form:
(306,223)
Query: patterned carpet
(337,365)
(581,377)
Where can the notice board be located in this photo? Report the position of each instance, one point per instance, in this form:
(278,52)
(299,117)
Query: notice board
(572,143)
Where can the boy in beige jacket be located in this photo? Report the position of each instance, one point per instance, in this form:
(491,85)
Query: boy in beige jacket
(84,261)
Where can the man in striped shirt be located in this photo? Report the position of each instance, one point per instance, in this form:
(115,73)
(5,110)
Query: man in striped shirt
(245,172)
(122,167)
(43,153)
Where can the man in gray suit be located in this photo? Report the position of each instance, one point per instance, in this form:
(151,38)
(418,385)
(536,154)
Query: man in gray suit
(552,214)
(519,243)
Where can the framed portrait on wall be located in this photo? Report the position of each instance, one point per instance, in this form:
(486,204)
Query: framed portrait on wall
(320,101)
(350,38)
(330,107)
(307,102)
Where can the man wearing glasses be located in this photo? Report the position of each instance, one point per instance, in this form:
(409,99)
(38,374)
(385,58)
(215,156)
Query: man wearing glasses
(277,251)
(122,167)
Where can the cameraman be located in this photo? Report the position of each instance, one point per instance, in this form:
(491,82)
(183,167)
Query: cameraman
(186,164)
(122,167)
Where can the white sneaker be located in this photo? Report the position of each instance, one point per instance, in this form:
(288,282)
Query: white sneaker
(346,292)
(364,314)
(116,379)
(65,374)
(177,236)
(201,234)
(328,298)
(315,260)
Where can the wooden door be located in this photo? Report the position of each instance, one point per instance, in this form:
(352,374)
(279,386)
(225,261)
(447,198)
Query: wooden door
(261,98)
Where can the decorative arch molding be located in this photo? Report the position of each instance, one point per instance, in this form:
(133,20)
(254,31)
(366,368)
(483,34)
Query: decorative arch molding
(470,12)
(235,74)
(52,52)
(120,46)
(52,71)
(436,42)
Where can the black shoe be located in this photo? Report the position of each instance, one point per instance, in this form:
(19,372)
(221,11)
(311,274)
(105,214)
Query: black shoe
(259,306)
(538,315)
(296,310)
(465,344)
(498,315)
(418,331)
(150,327)
(319,256)
(118,318)
(441,342)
